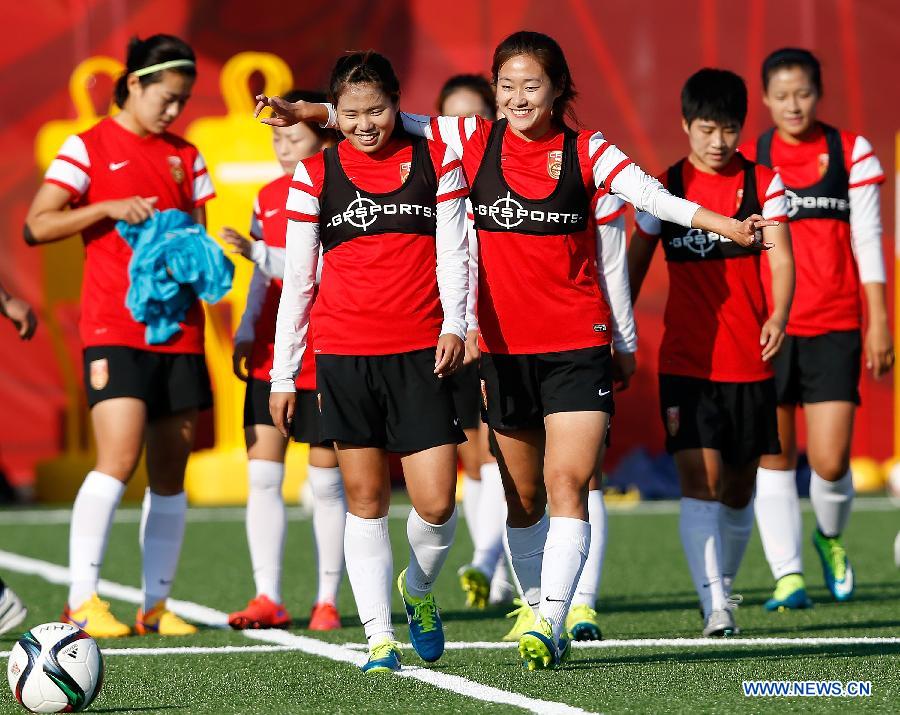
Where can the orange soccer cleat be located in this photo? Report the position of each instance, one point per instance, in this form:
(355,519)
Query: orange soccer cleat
(261,612)
(324,617)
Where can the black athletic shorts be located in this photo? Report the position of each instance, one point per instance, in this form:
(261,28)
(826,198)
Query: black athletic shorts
(821,368)
(465,388)
(519,391)
(306,425)
(736,418)
(167,382)
(395,402)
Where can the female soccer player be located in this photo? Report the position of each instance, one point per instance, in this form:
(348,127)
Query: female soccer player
(550,302)
(123,168)
(388,212)
(253,348)
(716,386)
(832,179)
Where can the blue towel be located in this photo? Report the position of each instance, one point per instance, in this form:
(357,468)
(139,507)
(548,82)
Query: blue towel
(174,263)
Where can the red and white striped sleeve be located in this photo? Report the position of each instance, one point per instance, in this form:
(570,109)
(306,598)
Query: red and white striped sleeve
(448,167)
(864,165)
(773,200)
(304,192)
(455,132)
(71,169)
(451,240)
(256,230)
(203,187)
(607,208)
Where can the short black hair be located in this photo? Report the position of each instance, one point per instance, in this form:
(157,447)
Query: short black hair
(788,57)
(474,83)
(715,95)
(153,51)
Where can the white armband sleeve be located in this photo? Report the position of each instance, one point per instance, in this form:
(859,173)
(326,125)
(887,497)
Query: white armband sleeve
(612,274)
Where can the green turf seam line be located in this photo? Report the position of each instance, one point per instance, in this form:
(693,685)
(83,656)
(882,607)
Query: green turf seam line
(54,573)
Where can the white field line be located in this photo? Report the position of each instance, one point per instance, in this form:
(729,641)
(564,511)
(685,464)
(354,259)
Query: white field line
(211,617)
(669,643)
(203,515)
(190,650)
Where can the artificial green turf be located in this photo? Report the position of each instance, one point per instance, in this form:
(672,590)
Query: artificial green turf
(646,593)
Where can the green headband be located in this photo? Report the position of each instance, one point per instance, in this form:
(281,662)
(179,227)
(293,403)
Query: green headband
(170,65)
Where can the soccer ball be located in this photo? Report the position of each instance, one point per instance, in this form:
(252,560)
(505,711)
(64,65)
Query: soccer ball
(55,667)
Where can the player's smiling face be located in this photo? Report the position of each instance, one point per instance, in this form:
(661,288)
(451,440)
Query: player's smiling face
(366,116)
(713,144)
(525,96)
(155,106)
(791,97)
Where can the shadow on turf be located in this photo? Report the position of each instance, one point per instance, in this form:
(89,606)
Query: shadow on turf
(149,708)
(720,654)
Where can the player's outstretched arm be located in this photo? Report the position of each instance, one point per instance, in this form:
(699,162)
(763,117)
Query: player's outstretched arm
(781,265)
(285,114)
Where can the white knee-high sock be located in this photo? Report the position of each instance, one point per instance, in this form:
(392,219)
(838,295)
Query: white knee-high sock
(266,526)
(490,520)
(162,533)
(589,582)
(370,567)
(92,517)
(470,497)
(735,527)
(777,509)
(568,541)
(831,502)
(699,527)
(429,545)
(329,517)
(526,550)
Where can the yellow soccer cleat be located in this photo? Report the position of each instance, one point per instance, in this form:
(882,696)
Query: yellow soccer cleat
(161,621)
(582,624)
(524,615)
(538,649)
(475,585)
(94,618)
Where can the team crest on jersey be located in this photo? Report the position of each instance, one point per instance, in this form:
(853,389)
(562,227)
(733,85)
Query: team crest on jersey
(673,420)
(405,168)
(177,168)
(554,163)
(823,164)
(99,373)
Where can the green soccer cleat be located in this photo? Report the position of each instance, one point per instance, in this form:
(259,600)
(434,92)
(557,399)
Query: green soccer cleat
(538,649)
(835,566)
(524,615)
(384,657)
(582,624)
(789,595)
(475,585)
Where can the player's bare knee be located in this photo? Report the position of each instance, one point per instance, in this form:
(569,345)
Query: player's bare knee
(436,513)
(831,467)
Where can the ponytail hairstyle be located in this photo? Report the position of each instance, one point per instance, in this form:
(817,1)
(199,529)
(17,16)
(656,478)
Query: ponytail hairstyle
(368,67)
(788,57)
(165,52)
(549,55)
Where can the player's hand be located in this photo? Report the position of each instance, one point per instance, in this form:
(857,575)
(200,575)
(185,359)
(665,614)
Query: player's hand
(21,315)
(284,113)
(281,407)
(624,365)
(879,348)
(448,357)
(240,359)
(771,337)
(135,210)
(238,243)
(473,352)
(748,233)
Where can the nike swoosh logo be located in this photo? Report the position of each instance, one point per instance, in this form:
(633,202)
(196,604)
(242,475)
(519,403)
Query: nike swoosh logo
(554,600)
(602,393)
(270,213)
(96,566)
(80,624)
(116,165)
(163,582)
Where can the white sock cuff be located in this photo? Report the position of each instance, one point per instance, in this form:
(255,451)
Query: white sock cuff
(775,481)
(103,485)
(326,483)
(467,480)
(367,528)
(843,486)
(566,530)
(700,508)
(174,504)
(490,469)
(529,540)
(265,473)
(430,528)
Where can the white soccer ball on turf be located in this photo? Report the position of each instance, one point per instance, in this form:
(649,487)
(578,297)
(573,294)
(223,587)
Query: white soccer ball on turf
(55,667)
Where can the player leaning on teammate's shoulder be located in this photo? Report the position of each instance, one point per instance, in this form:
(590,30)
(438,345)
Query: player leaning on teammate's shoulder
(485,579)
(546,361)
(716,385)
(388,212)
(122,169)
(832,178)
(253,348)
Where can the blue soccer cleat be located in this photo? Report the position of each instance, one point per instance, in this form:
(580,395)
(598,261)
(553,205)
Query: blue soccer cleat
(426,631)
(789,595)
(835,566)
(384,657)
